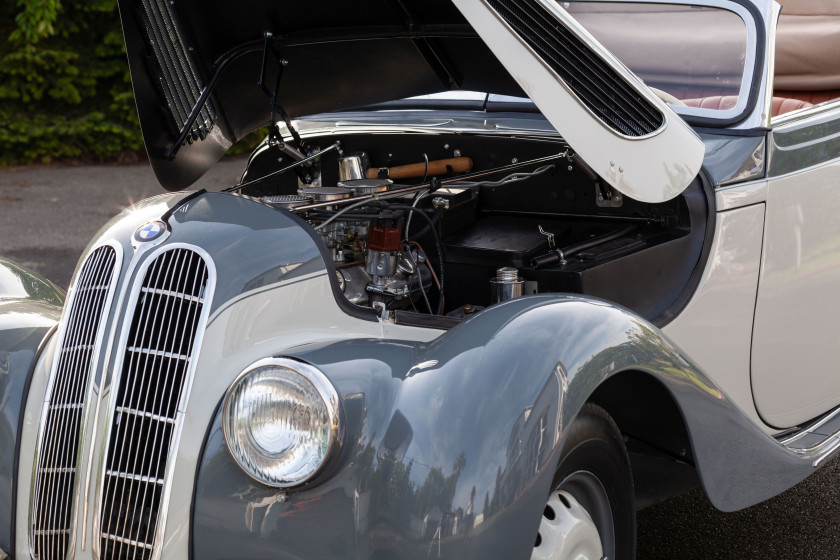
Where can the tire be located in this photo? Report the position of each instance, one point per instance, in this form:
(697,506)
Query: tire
(591,512)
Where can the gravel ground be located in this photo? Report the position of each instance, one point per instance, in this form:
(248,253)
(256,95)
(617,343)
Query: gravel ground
(48,215)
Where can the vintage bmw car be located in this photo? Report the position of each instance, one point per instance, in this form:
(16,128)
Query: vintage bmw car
(469,325)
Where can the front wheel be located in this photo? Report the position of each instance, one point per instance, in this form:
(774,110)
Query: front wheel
(590,514)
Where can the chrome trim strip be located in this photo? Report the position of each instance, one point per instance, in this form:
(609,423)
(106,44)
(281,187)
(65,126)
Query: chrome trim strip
(827,446)
(802,116)
(128,541)
(140,265)
(801,139)
(137,477)
(94,363)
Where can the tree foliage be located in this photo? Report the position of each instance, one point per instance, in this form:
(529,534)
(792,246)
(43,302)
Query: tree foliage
(65,90)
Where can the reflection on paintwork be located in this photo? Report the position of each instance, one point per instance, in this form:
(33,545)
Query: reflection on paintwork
(413,481)
(806,141)
(732,159)
(18,283)
(715,329)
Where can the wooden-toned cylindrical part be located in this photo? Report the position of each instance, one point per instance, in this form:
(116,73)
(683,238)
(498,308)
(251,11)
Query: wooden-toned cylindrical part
(436,167)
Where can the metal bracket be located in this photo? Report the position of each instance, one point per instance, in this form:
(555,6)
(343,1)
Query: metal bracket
(606,197)
(550,237)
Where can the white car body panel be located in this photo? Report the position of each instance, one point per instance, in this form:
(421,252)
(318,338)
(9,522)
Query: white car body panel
(795,351)
(654,168)
(715,329)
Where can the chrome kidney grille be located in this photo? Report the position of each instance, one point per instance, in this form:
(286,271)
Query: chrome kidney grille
(157,352)
(57,465)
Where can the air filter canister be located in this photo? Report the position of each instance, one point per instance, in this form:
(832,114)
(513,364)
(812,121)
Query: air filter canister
(326,194)
(367,186)
(287,201)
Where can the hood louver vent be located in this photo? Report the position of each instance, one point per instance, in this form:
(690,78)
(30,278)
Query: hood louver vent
(592,80)
(178,76)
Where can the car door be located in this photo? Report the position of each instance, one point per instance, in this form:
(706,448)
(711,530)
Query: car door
(796,352)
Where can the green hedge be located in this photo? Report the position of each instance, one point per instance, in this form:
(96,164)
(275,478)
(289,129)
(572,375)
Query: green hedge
(65,91)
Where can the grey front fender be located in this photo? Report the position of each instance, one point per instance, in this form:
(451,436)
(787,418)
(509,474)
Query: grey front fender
(30,307)
(452,445)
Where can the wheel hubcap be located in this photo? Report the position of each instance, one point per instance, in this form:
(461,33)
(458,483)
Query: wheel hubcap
(567,531)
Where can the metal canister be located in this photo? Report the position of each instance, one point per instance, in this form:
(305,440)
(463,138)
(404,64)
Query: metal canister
(506,285)
(353,167)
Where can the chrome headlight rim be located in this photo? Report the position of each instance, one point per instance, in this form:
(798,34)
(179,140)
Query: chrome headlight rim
(328,394)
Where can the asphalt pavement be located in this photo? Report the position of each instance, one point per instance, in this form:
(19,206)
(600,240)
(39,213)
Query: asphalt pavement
(48,214)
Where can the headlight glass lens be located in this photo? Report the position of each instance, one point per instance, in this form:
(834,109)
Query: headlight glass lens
(281,421)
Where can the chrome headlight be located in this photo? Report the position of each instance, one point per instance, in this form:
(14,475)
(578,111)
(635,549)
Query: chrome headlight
(281,421)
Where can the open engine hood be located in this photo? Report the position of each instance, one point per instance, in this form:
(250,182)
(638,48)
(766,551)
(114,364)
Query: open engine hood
(339,55)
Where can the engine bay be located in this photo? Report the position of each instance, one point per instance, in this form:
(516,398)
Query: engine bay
(421,226)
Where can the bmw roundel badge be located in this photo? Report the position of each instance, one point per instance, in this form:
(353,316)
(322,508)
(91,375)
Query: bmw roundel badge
(150,231)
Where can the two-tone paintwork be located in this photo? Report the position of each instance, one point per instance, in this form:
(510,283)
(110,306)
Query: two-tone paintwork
(419,471)
(452,437)
(30,307)
(277,299)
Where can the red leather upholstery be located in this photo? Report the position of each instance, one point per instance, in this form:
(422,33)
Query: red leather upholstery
(781,105)
(715,102)
(813,97)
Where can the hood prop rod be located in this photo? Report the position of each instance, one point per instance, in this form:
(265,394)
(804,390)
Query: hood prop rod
(273,134)
(221,66)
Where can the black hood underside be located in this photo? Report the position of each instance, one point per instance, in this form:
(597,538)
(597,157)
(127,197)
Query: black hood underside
(334,54)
